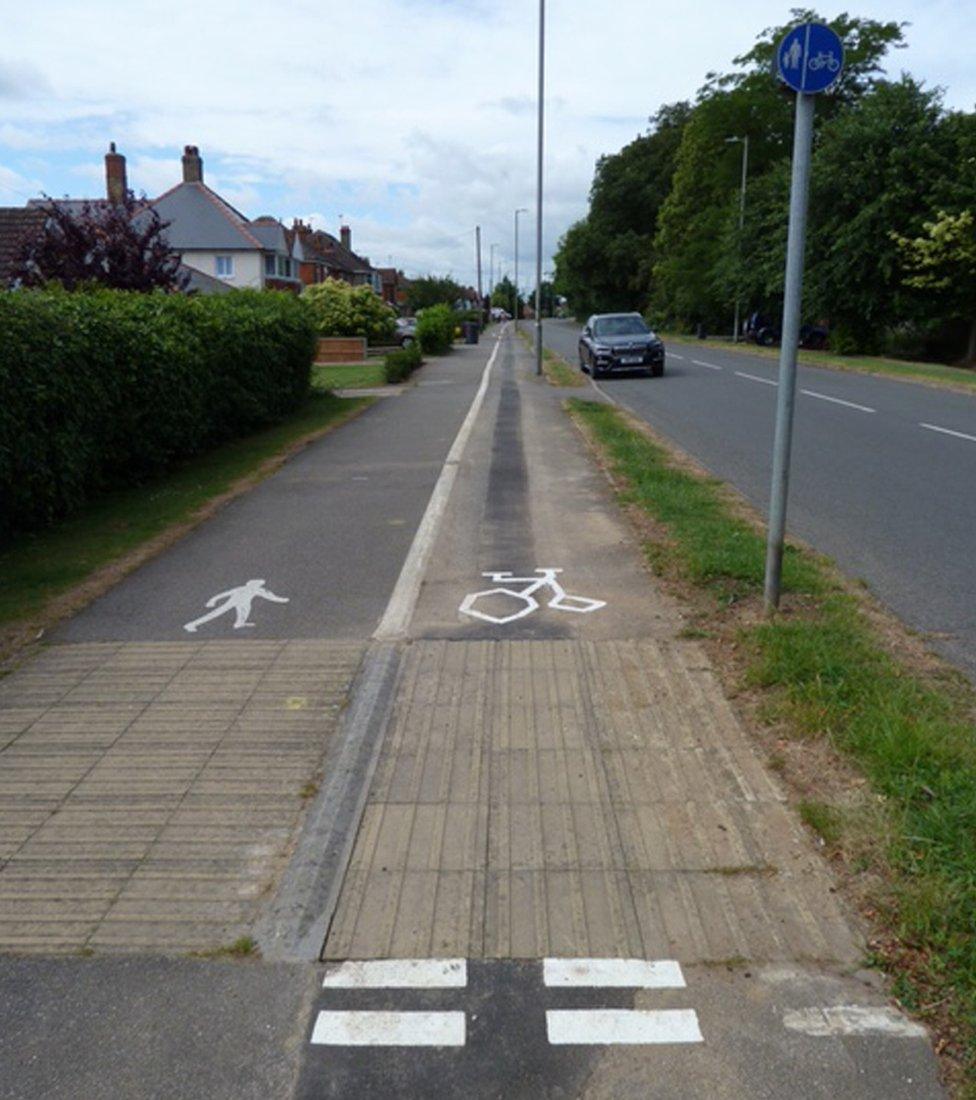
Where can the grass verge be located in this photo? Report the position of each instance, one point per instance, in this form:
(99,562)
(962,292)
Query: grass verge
(557,371)
(929,374)
(49,574)
(829,676)
(340,376)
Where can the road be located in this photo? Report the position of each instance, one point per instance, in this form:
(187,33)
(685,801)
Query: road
(527,850)
(883,476)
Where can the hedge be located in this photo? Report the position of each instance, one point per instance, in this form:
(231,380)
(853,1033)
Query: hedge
(435,329)
(400,364)
(105,388)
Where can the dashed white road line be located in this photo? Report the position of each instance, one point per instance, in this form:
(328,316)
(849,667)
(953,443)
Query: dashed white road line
(852,1020)
(389,1029)
(398,974)
(674,355)
(610,1026)
(838,401)
(613,973)
(711,366)
(756,378)
(948,431)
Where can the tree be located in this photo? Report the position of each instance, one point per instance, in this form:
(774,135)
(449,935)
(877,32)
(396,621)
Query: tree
(431,290)
(943,259)
(120,244)
(503,296)
(344,310)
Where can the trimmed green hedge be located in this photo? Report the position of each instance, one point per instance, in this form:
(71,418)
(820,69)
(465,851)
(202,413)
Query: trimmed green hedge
(104,388)
(400,364)
(435,329)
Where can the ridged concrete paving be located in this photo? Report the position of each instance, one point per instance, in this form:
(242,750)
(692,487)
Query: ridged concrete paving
(579,798)
(150,792)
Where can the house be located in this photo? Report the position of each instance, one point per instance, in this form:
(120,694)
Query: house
(393,285)
(324,257)
(214,238)
(19,225)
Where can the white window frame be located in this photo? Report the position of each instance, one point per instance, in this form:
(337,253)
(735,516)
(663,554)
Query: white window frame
(229,261)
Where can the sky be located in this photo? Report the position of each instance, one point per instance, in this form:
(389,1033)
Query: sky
(412,121)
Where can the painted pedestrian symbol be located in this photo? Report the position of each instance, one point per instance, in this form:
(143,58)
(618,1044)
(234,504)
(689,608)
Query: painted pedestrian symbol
(239,601)
(525,597)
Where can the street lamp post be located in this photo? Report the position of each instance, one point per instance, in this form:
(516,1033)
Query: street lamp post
(538,189)
(521,210)
(491,270)
(742,219)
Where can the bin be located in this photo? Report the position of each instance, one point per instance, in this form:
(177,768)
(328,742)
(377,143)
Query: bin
(470,331)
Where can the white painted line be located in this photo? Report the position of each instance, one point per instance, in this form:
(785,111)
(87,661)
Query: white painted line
(838,401)
(613,973)
(948,431)
(756,378)
(399,974)
(604,1026)
(711,366)
(389,1029)
(399,610)
(674,355)
(852,1020)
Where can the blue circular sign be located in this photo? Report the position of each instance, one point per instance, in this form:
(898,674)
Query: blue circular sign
(810,58)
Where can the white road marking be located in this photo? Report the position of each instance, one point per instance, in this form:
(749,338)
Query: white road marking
(711,366)
(399,610)
(852,1020)
(559,599)
(756,378)
(389,1029)
(674,355)
(948,431)
(239,601)
(606,1026)
(838,401)
(611,973)
(399,974)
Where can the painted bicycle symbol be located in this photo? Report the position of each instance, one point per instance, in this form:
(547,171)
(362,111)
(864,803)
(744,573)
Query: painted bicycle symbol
(559,599)
(824,60)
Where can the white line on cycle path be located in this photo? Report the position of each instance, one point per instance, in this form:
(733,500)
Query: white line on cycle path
(399,610)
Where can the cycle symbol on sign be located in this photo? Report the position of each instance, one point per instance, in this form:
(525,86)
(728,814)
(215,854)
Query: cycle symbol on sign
(824,61)
(559,599)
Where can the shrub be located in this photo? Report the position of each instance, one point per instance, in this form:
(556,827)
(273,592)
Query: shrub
(435,329)
(344,310)
(400,364)
(103,388)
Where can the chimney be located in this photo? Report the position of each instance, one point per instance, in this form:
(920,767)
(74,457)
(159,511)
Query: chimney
(192,165)
(115,181)
(345,235)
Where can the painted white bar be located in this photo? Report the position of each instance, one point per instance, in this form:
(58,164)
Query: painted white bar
(826,1023)
(949,431)
(756,378)
(399,974)
(624,1026)
(399,611)
(389,1029)
(613,973)
(838,401)
(711,366)
(674,355)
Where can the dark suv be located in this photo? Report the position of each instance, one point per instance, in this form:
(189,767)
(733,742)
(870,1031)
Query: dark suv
(619,342)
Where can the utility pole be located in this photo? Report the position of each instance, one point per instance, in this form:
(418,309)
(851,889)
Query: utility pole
(491,270)
(742,221)
(515,292)
(481,300)
(538,189)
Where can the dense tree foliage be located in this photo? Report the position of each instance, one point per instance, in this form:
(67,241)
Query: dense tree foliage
(892,168)
(431,290)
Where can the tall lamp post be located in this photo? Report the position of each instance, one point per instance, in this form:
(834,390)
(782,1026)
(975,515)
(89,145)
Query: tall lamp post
(538,189)
(742,218)
(521,210)
(491,270)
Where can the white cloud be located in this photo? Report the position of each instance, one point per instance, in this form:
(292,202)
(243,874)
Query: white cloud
(414,118)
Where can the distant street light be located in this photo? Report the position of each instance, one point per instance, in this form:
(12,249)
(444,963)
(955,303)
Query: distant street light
(538,189)
(742,221)
(521,210)
(491,270)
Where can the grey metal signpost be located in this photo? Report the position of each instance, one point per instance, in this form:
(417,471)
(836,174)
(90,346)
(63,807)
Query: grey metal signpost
(809,59)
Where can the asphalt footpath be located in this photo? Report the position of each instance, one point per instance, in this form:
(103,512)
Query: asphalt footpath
(480,807)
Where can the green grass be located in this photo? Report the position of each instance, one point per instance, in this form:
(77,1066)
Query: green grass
(340,376)
(825,673)
(557,371)
(932,374)
(38,567)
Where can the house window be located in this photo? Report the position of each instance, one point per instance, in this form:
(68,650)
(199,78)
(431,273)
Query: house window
(269,265)
(284,267)
(225,267)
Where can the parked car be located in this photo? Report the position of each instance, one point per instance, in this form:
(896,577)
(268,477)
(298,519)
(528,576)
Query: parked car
(406,331)
(613,342)
(765,332)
